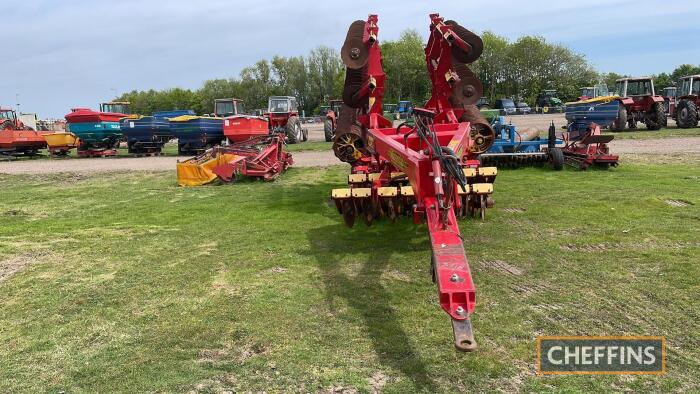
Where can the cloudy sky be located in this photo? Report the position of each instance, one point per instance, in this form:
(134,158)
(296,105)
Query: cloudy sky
(60,54)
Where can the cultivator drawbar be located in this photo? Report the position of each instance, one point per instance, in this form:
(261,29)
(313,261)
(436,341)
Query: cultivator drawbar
(430,170)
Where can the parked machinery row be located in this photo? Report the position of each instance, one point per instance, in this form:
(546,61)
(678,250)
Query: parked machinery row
(99,133)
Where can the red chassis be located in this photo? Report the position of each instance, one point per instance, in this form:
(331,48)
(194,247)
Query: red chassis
(266,163)
(585,146)
(429,170)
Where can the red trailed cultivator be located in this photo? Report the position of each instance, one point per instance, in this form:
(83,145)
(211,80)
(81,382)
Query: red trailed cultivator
(429,170)
(585,146)
(252,151)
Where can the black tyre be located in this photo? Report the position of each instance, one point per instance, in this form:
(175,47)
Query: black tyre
(328,130)
(6,125)
(306,134)
(621,120)
(686,114)
(656,117)
(556,159)
(293,130)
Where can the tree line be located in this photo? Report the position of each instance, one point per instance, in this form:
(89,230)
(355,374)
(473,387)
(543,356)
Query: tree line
(518,69)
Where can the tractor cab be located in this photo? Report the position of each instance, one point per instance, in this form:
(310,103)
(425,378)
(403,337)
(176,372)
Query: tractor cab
(8,119)
(8,114)
(590,92)
(689,86)
(282,105)
(228,107)
(335,105)
(635,87)
(669,95)
(685,108)
(117,107)
(669,91)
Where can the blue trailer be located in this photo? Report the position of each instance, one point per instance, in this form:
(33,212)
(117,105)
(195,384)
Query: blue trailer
(512,148)
(96,135)
(195,134)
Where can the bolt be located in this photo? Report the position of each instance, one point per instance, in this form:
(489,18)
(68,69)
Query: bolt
(354,53)
(454,278)
(460,310)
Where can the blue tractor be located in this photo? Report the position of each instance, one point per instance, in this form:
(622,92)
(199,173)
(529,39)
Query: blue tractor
(513,148)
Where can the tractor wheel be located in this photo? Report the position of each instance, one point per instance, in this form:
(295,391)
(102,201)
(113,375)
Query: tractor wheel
(328,130)
(655,117)
(305,132)
(686,114)
(621,120)
(6,125)
(294,133)
(556,159)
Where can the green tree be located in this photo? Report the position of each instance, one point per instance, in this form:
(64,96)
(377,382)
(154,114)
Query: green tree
(404,65)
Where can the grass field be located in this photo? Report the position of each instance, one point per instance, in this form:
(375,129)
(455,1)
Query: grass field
(128,283)
(642,133)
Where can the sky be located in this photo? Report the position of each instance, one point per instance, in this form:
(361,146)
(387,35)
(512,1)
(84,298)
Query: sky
(61,54)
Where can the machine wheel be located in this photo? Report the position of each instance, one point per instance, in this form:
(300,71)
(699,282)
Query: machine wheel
(328,130)
(556,159)
(655,117)
(6,125)
(306,134)
(621,120)
(686,114)
(294,133)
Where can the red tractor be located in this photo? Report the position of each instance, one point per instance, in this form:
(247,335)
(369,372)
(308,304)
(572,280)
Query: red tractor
(639,104)
(10,121)
(284,118)
(331,122)
(685,108)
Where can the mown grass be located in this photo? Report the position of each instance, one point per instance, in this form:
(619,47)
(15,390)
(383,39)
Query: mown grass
(642,133)
(131,284)
(310,146)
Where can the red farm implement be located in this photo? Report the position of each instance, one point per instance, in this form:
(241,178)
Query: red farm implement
(16,139)
(252,152)
(429,171)
(585,147)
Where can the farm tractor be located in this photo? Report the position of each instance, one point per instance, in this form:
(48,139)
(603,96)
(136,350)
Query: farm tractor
(331,121)
(638,103)
(547,101)
(16,138)
(428,170)
(590,92)
(669,95)
(284,118)
(685,108)
(117,107)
